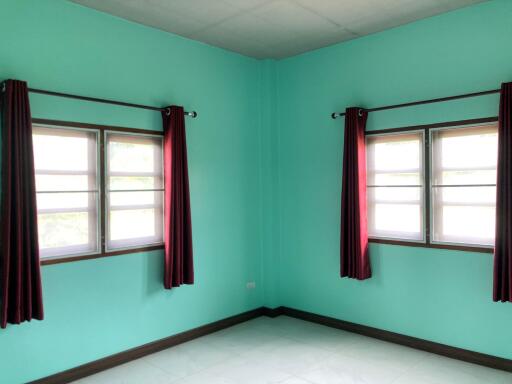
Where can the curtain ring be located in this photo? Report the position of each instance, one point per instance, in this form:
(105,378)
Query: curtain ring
(168,111)
(4,86)
(360,112)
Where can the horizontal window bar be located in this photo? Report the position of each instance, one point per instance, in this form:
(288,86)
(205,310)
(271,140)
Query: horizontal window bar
(454,169)
(134,174)
(133,242)
(95,255)
(74,250)
(137,190)
(67,172)
(394,186)
(457,240)
(391,171)
(82,191)
(134,207)
(460,247)
(464,204)
(391,202)
(461,185)
(46,211)
(393,235)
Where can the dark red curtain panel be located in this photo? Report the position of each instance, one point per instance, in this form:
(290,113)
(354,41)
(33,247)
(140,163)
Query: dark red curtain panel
(20,277)
(503,241)
(355,261)
(179,267)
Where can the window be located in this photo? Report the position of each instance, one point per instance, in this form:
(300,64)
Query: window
(440,194)
(464,185)
(395,186)
(67,190)
(99,191)
(134,190)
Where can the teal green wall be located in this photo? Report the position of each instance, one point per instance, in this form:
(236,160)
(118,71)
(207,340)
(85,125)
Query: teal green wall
(265,175)
(444,296)
(100,307)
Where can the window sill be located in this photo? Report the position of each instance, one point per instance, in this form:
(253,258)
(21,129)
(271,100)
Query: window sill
(466,248)
(69,259)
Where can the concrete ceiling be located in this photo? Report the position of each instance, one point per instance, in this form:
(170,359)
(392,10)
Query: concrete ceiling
(274,28)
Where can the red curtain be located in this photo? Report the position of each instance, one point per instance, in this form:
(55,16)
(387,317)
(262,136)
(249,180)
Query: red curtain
(503,241)
(20,277)
(179,267)
(355,261)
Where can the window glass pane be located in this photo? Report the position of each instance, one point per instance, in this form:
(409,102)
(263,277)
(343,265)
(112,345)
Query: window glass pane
(458,149)
(63,149)
(401,220)
(470,176)
(64,183)
(404,178)
(469,224)
(395,159)
(466,195)
(464,156)
(396,194)
(134,154)
(133,224)
(395,154)
(135,216)
(66,233)
(117,199)
(135,182)
(395,151)
(66,160)
(464,215)
(395,212)
(66,201)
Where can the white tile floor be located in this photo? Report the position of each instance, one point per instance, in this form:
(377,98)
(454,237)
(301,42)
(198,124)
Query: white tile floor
(289,351)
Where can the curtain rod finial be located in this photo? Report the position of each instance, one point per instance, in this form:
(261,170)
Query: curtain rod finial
(192,114)
(335,115)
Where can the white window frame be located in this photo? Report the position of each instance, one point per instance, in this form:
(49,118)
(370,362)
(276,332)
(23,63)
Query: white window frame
(432,186)
(135,243)
(423,201)
(76,250)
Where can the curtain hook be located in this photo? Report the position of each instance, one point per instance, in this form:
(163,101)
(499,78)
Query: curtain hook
(168,111)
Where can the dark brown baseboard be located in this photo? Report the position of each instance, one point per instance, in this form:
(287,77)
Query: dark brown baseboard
(159,345)
(146,349)
(272,312)
(397,338)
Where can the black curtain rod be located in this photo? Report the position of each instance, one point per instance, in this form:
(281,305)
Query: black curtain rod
(335,115)
(192,114)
